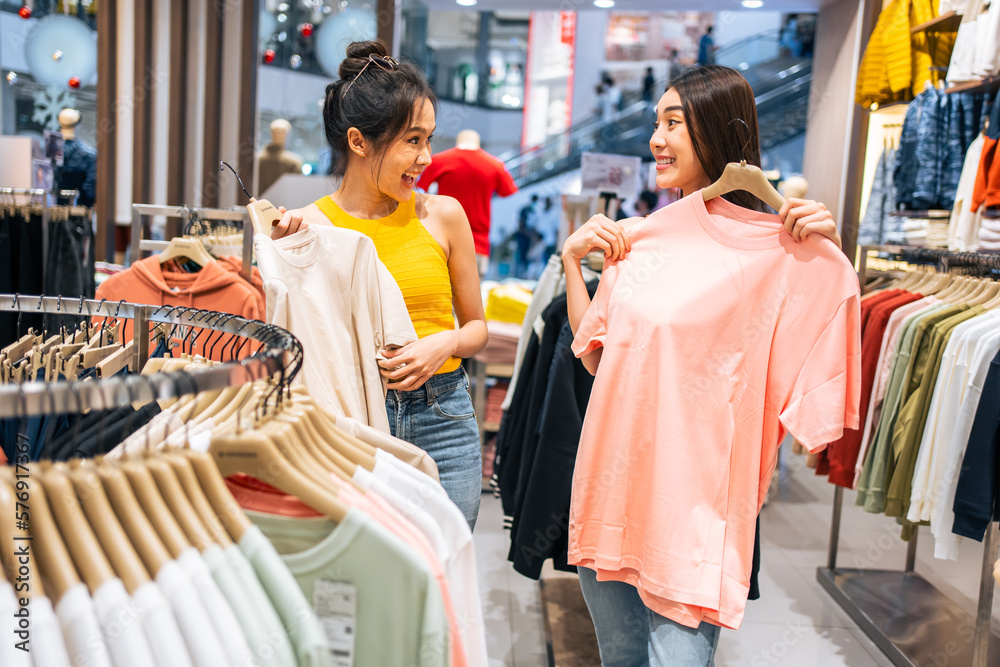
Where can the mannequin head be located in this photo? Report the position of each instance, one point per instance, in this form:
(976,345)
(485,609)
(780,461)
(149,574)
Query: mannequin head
(68,120)
(279,131)
(468,139)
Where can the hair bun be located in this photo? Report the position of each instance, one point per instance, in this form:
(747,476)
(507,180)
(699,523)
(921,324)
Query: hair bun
(357,57)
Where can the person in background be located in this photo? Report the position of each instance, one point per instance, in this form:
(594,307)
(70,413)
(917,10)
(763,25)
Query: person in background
(609,98)
(472,176)
(706,48)
(674,67)
(648,84)
(525,236)
(646,203)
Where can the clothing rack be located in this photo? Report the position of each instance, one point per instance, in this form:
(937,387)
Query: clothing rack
(903,613)
(46,205)
(142,211)
(38,398)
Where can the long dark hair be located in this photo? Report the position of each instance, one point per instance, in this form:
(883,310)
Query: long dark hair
(380,104)
(714,99)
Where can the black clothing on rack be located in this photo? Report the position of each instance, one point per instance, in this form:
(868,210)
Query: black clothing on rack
(977,498)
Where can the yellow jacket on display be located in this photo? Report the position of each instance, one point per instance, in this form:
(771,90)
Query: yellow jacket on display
(897,63)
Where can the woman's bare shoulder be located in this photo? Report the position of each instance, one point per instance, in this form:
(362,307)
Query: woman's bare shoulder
(439,207)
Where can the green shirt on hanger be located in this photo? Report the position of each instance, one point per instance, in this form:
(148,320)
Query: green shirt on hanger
(913,416)
(873,473)
(377,600)
(300,621)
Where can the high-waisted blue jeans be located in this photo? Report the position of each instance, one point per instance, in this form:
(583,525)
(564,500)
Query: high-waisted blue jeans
(439,418)
(630,634)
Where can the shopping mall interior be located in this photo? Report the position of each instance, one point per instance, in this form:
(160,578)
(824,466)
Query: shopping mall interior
(875,546)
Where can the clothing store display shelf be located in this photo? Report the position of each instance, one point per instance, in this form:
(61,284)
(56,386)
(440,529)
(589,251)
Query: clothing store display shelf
(947,22)
(989,84)
(899,610)
(40,398)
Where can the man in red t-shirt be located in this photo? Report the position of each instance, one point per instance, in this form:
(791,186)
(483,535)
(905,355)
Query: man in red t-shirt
(471,175)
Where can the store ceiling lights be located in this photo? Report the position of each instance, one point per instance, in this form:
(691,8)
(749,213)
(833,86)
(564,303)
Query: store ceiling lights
(467,3)
(604,4)
(753,4)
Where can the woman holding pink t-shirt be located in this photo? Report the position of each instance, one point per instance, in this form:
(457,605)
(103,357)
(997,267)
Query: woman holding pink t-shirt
(661,544)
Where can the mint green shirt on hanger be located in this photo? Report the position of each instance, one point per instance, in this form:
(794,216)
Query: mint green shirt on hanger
(296,614)
(376,598)
(870,492)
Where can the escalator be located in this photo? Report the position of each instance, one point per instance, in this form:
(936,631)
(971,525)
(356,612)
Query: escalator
(781,88)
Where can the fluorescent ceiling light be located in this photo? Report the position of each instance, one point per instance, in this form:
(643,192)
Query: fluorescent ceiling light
(604,4)
(467,3)
(753,4)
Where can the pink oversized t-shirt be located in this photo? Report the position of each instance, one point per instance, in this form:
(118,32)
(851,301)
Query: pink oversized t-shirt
(720,333)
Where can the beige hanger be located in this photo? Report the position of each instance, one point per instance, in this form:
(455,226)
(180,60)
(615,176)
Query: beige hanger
(325,456)
(355,449)
(185,473)
(134,483)
(180,506)
(84,548)
(117,546)
(187,248)
(251,453)
(748,178)
(56,567)
(143,537)
(226,509)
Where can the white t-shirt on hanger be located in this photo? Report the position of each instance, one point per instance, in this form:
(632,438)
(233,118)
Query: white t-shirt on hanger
(223,616)
(419,491)
(162,632)
(203,644)
(9,655)
(81,630)
(121,625)
(48,649)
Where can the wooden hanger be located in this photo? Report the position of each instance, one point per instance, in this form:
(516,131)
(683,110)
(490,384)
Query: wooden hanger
(134,521)
(56,567)
(252,453)
(178,502)
(185,247)
(79,537)
(226,509)
(352,447)
(741,176)
(117,546)
(188,479)
(142,487)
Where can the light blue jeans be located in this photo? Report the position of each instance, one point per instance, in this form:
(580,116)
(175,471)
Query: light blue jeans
(630,634)
(439,418)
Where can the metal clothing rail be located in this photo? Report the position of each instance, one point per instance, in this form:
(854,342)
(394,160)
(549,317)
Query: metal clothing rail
(904,614)
(38,398)
(141,211)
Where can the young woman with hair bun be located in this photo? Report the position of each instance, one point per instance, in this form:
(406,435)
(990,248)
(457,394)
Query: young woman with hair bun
(379,119)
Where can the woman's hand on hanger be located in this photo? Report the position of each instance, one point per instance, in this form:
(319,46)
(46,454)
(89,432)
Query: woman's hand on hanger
(599,233)
(803,217)
(290,223)
(409,367)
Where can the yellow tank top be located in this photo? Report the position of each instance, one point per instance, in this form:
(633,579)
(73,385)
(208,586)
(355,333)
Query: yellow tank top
(415,260)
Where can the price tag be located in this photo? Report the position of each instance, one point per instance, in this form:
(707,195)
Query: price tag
(336,605)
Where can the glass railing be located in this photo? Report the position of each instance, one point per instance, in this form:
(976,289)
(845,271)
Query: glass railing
(747,53)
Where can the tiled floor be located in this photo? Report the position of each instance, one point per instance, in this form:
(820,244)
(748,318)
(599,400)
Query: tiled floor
(795,623)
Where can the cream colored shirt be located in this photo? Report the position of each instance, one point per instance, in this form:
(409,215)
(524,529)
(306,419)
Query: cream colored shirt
(328,287)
